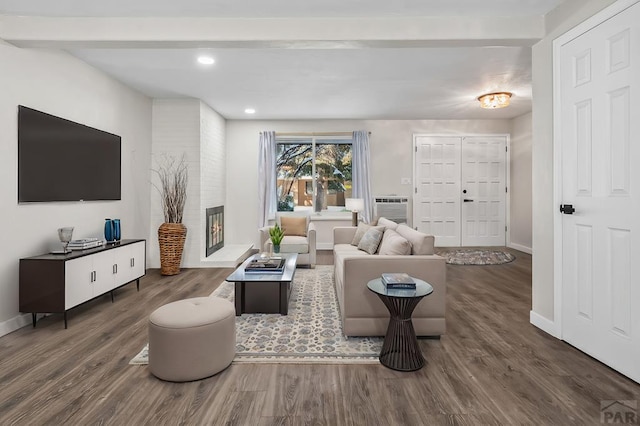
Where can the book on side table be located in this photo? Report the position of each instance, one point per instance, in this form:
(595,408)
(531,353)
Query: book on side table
(398,280)
(272,265)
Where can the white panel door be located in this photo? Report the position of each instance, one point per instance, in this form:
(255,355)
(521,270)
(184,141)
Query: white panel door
(436,208)
(483,190)
(600,106)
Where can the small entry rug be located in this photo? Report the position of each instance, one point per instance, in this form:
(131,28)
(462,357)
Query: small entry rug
(310,333)
(475,256)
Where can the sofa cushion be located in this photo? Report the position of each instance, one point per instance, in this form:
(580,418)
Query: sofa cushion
(388,224)
(394,243)
(290,244)
(294,225)
(421,243)
(362,229)
(371,240)
(294,244)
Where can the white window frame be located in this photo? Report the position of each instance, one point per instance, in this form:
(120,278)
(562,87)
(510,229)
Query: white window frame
(292,139)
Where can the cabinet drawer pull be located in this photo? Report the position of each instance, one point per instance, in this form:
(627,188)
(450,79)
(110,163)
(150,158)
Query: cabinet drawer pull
(133,262)
(115,268)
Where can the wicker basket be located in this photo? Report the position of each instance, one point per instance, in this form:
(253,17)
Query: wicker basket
(171,237)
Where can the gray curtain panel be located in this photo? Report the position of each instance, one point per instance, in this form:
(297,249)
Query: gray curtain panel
(360,173)
(267,178)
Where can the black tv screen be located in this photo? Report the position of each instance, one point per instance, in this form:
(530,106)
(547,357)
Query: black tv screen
(59,160)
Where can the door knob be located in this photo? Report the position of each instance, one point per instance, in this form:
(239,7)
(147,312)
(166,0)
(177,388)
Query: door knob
(567,209)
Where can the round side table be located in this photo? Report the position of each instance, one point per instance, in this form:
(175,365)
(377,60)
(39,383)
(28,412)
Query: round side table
(400,350)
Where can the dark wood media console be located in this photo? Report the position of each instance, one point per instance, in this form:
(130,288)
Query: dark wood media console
(56,283)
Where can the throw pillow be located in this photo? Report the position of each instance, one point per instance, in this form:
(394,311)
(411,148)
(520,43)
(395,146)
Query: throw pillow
(294,225)
(362,229)
(389,224)
(420,243)
(394,244)
(371,240)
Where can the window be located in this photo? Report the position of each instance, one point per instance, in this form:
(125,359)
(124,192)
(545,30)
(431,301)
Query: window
(313,173)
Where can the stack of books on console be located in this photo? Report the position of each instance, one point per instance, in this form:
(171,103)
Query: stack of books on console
(398,280)
(85,243)
(271,265)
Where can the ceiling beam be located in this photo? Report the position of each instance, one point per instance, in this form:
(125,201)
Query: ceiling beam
(300,33)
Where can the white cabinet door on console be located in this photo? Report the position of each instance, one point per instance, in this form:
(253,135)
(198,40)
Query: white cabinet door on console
(79,281)
(137,260)
(103,265)
(130,263)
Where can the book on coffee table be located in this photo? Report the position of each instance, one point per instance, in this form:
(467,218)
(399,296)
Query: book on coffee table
(398,280)
(265,266)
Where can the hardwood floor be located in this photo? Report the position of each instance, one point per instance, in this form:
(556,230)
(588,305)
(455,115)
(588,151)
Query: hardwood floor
(492,367)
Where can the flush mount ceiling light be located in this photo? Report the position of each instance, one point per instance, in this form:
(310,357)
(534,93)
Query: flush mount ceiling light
(206,60)
(250,111)
(495,100)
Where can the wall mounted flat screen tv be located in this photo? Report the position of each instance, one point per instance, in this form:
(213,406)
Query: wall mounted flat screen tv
(59,160)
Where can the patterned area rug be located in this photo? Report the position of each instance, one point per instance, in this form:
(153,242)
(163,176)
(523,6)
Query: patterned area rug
(310,333)
(475,256)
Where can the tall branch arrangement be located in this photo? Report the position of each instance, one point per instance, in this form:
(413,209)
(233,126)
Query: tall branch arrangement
(173,175)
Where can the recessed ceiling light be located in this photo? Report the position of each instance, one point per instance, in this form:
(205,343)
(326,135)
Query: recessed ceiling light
(206,60)
(250,111)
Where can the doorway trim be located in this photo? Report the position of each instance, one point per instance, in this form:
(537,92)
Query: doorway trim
(554,327)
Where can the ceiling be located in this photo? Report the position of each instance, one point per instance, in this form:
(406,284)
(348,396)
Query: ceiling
(393,78)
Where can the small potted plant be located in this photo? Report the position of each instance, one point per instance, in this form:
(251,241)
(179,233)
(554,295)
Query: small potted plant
(277,234)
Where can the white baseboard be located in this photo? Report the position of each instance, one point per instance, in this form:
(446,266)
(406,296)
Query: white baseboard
(521,248)
(544,324)
(15,323)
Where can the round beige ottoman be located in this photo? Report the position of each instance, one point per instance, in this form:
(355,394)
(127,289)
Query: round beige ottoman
(192,339)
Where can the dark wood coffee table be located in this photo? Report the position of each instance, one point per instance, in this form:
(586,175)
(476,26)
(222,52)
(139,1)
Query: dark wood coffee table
(264,293)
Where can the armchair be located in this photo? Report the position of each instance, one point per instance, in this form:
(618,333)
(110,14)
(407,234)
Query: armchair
(299,237)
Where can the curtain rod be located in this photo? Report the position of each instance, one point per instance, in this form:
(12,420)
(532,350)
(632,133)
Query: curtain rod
(314,133)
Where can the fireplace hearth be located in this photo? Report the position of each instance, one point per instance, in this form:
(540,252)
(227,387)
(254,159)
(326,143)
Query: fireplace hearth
(214,229)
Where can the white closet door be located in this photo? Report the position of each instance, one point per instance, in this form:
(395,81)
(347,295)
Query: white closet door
(483,190)
(436,203)
(599,83)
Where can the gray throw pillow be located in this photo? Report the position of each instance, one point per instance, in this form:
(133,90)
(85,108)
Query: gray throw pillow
(362,229)
(371,240)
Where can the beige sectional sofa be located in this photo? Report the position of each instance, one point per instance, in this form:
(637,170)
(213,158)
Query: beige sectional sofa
(363,314)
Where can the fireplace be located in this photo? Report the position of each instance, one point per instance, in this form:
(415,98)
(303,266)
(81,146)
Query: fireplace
(215,229)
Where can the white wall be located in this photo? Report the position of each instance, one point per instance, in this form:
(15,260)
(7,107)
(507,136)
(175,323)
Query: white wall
(176,132)
(189,127)
(59,84)
(213,179)
(520,191)
(567,15)
(391,158)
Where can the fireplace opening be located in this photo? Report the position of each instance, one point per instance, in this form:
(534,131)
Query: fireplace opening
(215,229)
